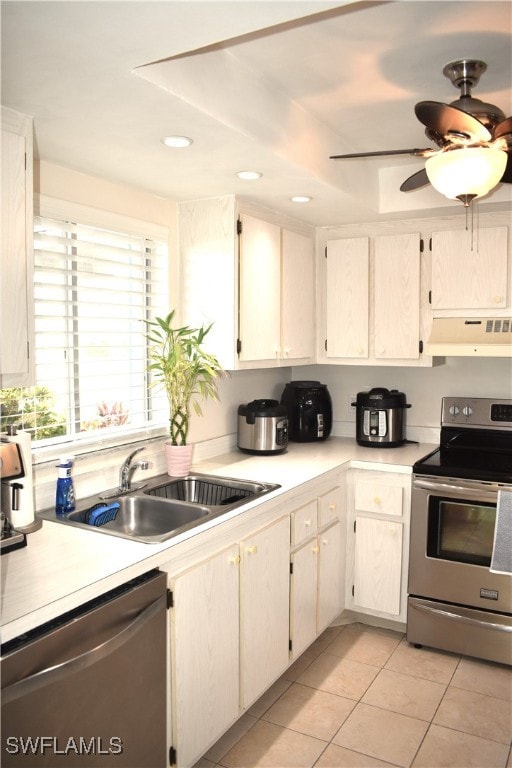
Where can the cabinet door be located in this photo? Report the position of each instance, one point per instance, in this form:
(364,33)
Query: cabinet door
(397,296)
(330,579)
(297,296)
(347,296)
(260,281)
(16,305)
(469,269)
(303,597)
(264,606)
(378,565)
(204,653)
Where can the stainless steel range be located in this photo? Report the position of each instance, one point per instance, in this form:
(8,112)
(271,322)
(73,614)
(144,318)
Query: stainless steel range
(460,595)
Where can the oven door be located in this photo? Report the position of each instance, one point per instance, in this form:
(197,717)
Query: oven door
(452,534)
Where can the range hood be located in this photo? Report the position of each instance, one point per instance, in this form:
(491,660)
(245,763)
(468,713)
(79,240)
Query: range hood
(470,337)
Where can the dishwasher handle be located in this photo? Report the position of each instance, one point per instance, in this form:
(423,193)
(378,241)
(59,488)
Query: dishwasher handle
(84,660)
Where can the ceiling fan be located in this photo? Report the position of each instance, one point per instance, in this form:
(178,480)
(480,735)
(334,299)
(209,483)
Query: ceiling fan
(472,137)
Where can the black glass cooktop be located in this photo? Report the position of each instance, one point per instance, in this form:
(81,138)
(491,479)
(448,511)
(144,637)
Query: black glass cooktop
(474,455)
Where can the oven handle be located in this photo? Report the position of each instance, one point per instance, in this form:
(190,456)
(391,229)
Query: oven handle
(464,619)
(485,492)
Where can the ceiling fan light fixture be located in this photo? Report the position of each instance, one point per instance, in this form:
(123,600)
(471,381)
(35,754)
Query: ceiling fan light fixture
(466,172)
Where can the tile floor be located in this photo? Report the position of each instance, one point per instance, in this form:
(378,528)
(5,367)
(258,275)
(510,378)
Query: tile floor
(363,697)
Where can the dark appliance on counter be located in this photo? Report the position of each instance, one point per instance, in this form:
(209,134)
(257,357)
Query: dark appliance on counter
(380,418)
(460,587)
(12,470)
(88,688)
(262,427)
(309,408)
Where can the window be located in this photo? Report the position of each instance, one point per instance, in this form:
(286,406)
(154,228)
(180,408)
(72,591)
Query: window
(93,290)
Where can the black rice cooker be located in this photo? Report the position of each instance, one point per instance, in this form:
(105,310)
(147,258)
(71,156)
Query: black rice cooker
(380,418)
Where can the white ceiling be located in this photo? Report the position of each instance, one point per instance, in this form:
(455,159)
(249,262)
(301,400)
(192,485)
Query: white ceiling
(261,84)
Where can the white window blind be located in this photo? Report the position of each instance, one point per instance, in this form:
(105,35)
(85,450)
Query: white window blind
(93,290)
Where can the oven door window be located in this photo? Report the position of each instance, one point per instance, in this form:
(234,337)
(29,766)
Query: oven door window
(461,530)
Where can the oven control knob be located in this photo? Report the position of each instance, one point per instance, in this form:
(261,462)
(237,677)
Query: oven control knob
(467,410)
(454,410)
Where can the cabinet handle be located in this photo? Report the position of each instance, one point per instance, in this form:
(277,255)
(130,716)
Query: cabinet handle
(332,507)
(377,500)
(252,550)
(307,523)
(235,560)
(498,299)
(315,550)
(325,541)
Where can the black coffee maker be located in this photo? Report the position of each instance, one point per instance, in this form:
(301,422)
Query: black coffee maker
(309,409)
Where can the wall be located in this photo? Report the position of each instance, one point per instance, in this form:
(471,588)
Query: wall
(424,387)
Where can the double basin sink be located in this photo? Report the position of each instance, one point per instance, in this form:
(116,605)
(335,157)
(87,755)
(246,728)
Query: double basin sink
(166,507)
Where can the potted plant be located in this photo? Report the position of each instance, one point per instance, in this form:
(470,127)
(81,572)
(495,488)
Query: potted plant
(187,372)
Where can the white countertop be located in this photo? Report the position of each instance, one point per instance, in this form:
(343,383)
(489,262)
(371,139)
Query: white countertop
(62,566)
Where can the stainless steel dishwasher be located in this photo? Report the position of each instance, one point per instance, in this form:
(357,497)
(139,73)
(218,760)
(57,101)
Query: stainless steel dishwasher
(89,689)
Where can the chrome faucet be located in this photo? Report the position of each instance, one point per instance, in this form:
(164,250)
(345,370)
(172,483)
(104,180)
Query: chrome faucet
(127,470)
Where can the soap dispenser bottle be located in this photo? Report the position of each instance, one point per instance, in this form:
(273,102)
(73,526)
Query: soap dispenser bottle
(65,496)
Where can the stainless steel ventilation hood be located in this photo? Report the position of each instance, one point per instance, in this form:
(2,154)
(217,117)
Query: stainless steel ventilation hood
(470,337)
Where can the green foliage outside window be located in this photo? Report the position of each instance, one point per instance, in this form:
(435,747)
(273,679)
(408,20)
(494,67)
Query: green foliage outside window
(31,409)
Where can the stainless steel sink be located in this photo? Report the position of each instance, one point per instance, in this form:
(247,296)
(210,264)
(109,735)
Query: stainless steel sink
(167,506)
(210,490)
(147,519)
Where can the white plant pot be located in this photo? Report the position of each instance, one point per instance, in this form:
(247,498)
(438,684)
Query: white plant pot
(179,459)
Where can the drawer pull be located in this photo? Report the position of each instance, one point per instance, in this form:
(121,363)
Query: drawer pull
(332,507)
(252,550)
(377,500)
(235,560)
(315,550)
(307,523)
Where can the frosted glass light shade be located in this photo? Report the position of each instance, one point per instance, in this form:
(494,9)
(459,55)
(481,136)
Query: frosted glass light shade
(466,172)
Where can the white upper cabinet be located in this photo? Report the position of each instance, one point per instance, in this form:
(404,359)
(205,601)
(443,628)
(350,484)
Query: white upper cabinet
(260,282)
(297,297)
(253,279)
(347,302)
(16,256)
(470,269)
(397,296)
(376,301)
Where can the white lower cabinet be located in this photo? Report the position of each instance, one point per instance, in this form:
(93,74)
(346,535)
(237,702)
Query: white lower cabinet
(204,653)
(264,608)
(316,570)
(378,543)
(229,635)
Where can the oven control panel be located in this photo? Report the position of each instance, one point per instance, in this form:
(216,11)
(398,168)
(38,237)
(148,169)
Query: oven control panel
(476,412)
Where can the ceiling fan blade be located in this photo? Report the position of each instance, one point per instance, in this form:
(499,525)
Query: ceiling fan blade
(450,122)
(504,131)
(417,180)
(507,175)
(413,152)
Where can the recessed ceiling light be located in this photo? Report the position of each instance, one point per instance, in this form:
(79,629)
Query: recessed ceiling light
(177,142)
(249,175)
(301,199)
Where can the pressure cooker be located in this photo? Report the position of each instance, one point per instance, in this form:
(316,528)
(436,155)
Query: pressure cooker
(262,427)
(380,418)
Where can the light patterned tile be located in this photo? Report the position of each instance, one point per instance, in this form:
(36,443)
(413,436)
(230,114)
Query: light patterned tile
(384,735)
(405,694)
(339,757)
(342,677)
(272,746)
(224,744)
(477,714)
(484,677)
(446,748)
(310,654)
(427,663)
(310,711)
(368,645)
(269,697)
